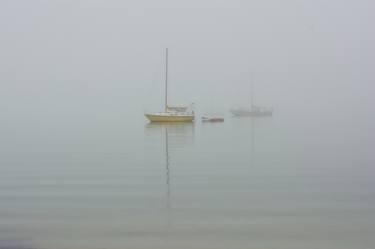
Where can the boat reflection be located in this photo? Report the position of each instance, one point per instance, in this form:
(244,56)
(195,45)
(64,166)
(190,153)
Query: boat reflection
(175,136)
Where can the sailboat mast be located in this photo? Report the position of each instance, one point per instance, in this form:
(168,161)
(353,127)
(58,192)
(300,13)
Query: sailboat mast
(252,94)
(166,80)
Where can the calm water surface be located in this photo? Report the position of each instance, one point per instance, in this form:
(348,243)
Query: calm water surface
(281,182)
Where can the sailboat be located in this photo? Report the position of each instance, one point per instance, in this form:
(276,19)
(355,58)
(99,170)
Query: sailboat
(254,111)
(171,113)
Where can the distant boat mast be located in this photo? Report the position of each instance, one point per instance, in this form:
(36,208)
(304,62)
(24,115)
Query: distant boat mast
(252,94)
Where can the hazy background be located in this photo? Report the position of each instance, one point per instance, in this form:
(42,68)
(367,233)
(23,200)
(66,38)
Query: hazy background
(59,57)
(87,63)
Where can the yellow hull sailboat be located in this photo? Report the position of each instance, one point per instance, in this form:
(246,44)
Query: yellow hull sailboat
(171,113)
(168,117)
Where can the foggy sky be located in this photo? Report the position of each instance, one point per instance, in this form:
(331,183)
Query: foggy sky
(68,58)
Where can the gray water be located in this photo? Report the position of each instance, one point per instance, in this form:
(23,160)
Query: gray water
(294,180)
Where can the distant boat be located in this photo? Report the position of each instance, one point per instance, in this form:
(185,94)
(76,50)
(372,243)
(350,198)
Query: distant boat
(171,113)
(212,119)
(254,111)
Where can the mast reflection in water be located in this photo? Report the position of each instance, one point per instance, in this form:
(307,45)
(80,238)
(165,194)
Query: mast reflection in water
(176,136)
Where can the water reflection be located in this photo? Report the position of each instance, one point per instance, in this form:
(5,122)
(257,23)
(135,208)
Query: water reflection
(175,136)
(252,141)
(167,167)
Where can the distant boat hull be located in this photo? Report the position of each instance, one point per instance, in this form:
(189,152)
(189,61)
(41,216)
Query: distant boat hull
(252,113)
(166,117)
